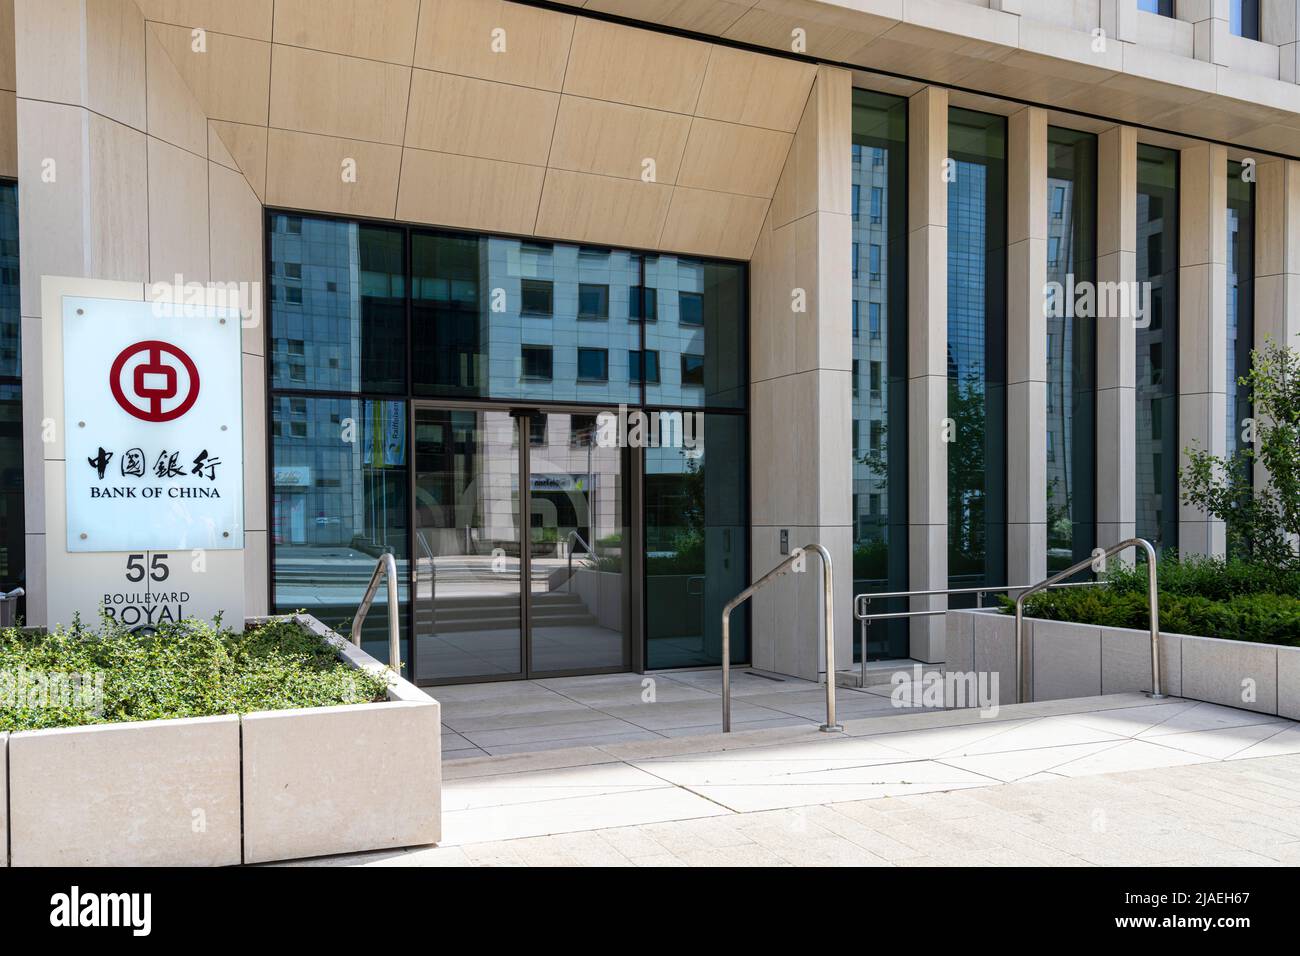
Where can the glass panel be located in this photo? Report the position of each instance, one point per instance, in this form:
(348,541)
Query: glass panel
(1071,347)
(12,545)
(467,505)
(977,349)
(339,501)
(338,306)
(1157,347)
(880,364)
(579,583)
(485,311)
(1241,304)
(701,311)
(696,544)
(1243,18)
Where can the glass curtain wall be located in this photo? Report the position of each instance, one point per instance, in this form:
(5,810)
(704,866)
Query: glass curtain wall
(12,543)
(977,348)
(497,337)
(340,480)
(1241,305)
(880,363)
(1157,451)
(1071,347)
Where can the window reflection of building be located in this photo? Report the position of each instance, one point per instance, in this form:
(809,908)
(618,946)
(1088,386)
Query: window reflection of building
(1071,348)
(879,364)
(493,319)
(1156,442)
(12,545)
(977,348)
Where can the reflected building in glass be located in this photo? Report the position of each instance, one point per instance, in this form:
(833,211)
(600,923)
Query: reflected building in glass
(525,553)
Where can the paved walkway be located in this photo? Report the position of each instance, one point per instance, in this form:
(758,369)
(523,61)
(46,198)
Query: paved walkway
(1107,780)
(509,717)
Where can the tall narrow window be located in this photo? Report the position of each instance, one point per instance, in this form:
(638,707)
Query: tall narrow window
(1241,302)
(880,465)
(1243,18)
(1071,347)
(1156,444)
(977,348)
(12,547)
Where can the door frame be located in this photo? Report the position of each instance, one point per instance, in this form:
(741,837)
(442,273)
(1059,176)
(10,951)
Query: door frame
(630,465)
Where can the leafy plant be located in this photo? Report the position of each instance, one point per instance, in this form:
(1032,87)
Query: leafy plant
(1262,522)
(186,669)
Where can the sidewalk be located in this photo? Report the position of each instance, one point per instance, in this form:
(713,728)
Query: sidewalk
(1108,780)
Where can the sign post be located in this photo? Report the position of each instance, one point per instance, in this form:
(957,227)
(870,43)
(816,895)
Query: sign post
(153,463)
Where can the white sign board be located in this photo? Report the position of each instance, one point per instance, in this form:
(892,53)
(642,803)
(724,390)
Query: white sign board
(153,427)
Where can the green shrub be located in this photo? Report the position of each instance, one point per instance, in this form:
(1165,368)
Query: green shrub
(1261,618)
(188,669)
(1213,578)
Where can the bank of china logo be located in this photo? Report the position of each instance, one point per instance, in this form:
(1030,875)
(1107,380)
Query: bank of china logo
(154,381)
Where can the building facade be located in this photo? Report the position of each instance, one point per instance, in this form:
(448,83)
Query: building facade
(590,312)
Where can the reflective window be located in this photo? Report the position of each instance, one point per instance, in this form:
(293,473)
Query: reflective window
(1157,451)
(339,501)
(880,408)
(338,306)
(593,364)
(701,308)
(1071,348)
(1241,303)
(977,348)
(696,543)
(1243,18)
(1164,8)
(480,303)
(12,543)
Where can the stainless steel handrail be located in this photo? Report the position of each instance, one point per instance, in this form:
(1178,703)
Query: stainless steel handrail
(385,567)
(1023,689)
(861,601)
(568,547)
(828,592)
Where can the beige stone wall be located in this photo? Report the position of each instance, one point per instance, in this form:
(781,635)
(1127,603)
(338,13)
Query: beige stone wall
(801,390)
(121,177)
(492,116)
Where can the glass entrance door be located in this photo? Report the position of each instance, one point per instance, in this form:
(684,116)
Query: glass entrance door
(478,472)
(467,559)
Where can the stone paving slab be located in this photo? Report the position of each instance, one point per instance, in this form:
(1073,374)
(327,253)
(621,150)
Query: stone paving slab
(1036,783)
(1173,816)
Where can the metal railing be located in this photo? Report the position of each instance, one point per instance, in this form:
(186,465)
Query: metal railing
(827,604)
(1024,690)
(568,547)
(385,567)
(861,601)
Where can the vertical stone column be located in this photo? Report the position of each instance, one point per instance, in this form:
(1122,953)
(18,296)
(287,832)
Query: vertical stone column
(1209,20)
(1119,19)
(927,365)
(1279,24)
(801,397)
(1277,251)
(1116,337)
(1202,326)
(1026,346)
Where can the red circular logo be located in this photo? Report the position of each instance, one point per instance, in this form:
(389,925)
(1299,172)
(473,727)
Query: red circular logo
(152,391)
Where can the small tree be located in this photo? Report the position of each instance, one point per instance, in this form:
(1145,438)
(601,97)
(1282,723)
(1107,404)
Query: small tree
(1262,523)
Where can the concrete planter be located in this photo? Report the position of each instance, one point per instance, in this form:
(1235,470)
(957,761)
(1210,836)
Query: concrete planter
(1083,660)
(212,791)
